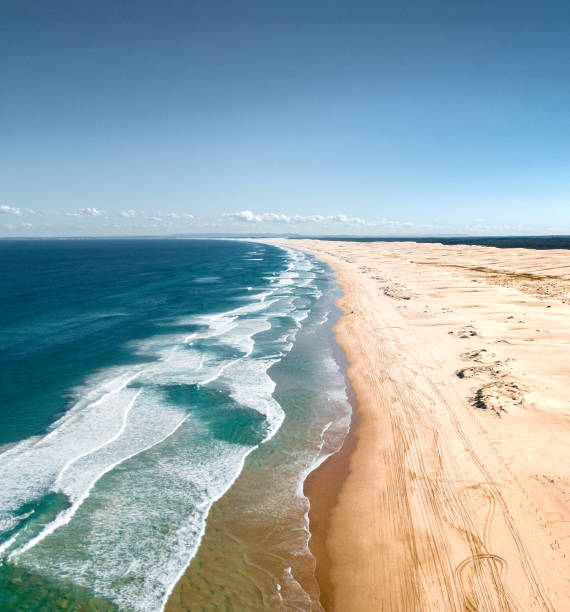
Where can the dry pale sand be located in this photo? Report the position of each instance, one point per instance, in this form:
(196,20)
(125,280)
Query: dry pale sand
(458,489)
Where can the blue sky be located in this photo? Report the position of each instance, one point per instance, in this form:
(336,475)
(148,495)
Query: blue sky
(311,117)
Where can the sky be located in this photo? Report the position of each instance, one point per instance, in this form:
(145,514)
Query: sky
(312,117)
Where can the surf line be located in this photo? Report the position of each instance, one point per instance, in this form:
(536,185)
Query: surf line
(65,517)
(103,444)
(206,507)
(73,411)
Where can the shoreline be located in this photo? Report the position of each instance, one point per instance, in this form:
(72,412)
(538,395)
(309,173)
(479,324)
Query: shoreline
(457,492)
(322,487)
(256,556)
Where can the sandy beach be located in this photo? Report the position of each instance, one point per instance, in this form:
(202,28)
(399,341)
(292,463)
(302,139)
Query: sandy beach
(457,492)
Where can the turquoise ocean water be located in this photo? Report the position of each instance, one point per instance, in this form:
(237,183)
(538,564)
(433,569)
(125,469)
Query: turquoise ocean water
(139,380)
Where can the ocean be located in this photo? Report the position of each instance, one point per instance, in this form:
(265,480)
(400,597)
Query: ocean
(161,403)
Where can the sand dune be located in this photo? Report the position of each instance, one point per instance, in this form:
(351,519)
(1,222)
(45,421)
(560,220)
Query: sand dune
(458,494)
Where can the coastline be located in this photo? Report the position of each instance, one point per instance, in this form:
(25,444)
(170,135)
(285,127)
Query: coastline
(256,556)
(210,391)
(322,488)
(457,492)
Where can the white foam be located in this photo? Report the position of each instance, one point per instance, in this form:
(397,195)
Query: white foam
(99,447)
(80,477)
(31,468)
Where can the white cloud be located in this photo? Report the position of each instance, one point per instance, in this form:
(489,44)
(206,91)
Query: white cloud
(346,219)
(179,216)
(276,218)
(328,223)
(248,216)
(10,210)
(87,212)
(129,214)
(244,215)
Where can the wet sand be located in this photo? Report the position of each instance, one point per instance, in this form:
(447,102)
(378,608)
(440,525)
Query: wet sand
(322,487)
(457,495)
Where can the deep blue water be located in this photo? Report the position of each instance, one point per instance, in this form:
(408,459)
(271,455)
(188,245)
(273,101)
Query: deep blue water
(135,381)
